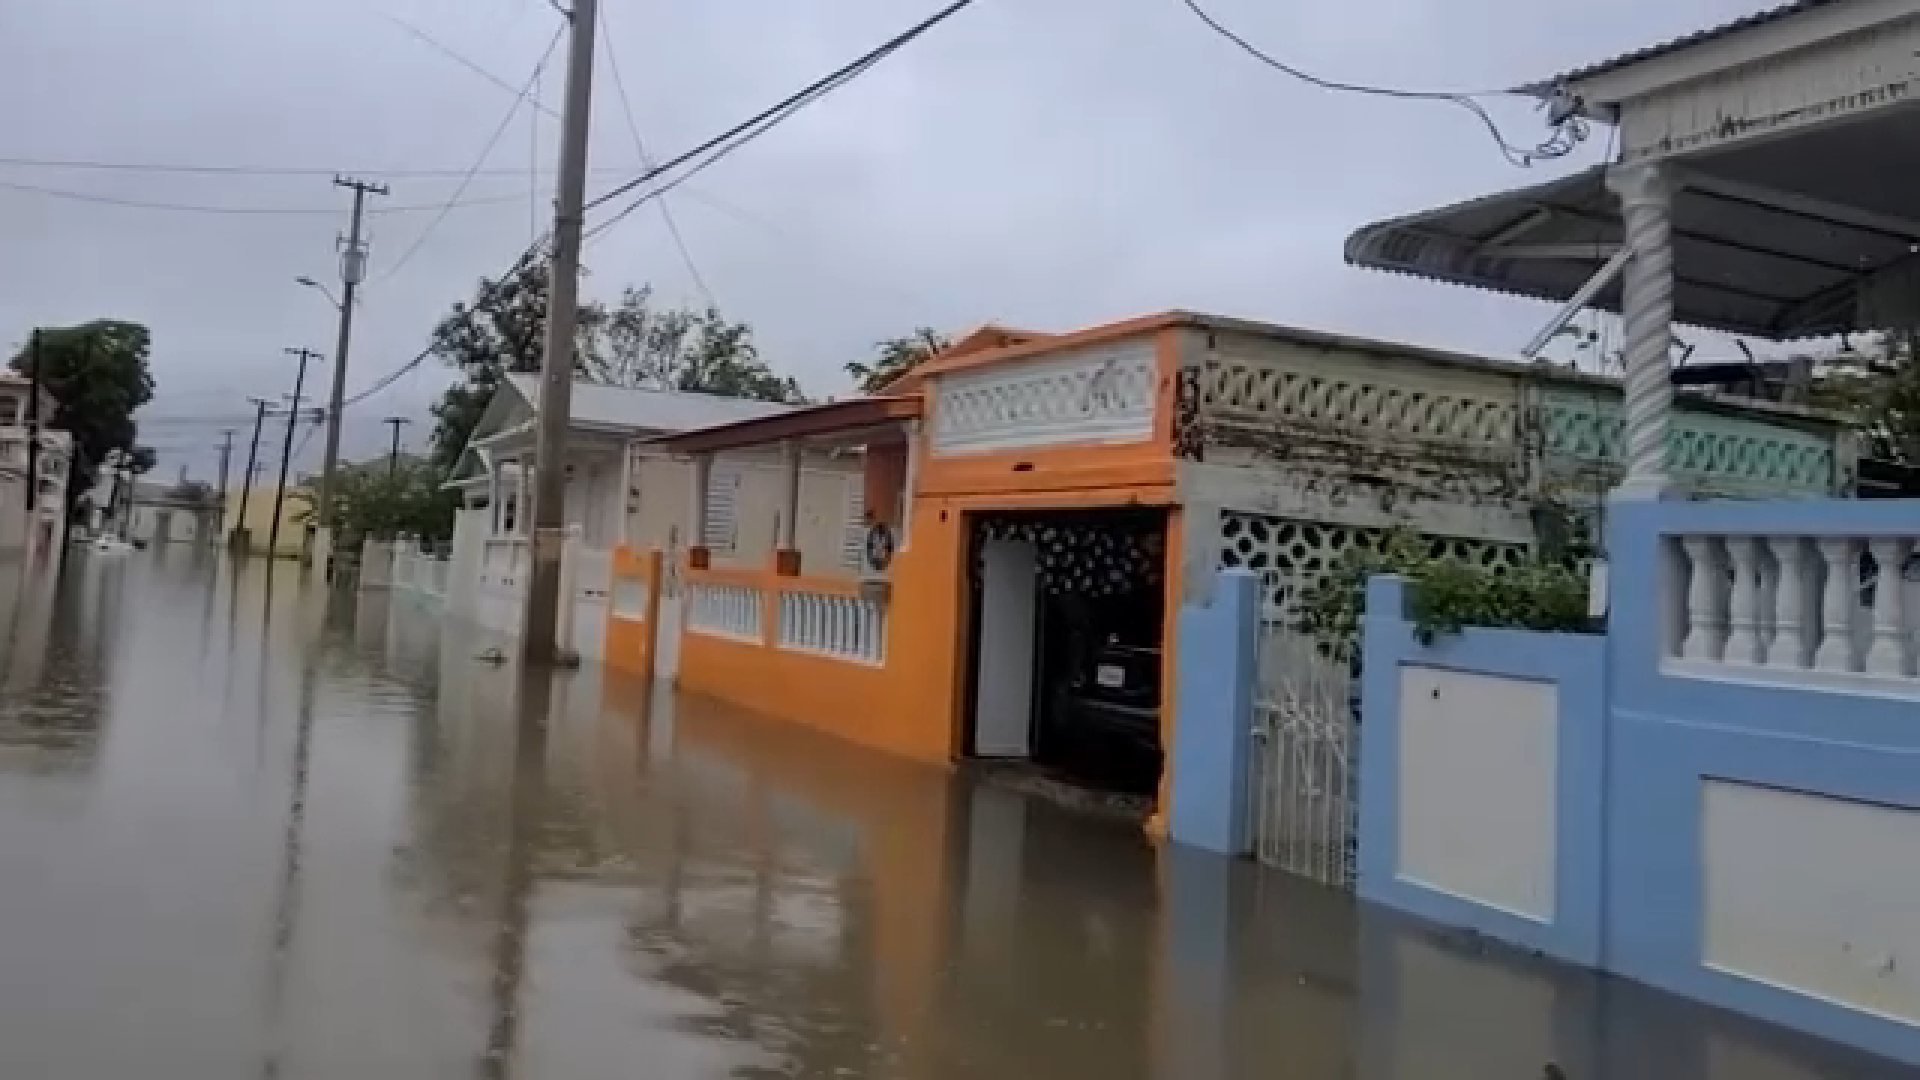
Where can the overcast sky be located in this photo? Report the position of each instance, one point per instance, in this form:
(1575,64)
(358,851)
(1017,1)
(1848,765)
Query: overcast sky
(1044,163)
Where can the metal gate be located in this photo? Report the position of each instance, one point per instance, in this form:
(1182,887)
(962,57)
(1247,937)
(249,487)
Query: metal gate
(1306,753)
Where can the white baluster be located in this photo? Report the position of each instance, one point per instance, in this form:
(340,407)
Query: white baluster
(1706,584)
(1888,653)
(1743,618)
(1840,597)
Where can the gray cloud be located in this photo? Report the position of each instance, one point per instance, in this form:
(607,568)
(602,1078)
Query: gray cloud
(1048,163)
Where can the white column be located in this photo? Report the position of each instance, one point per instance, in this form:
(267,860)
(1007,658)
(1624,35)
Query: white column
(1743,617)
(790,495)
(1704,584)
(1840,598)
(1788,649)
(1888,654)
(1646,202)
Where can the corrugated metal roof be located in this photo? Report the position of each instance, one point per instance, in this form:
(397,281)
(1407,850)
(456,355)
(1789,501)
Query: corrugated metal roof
(1684,41)
(659,411)
(1740,266)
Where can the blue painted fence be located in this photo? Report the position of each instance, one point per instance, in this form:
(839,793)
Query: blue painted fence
(1645,741)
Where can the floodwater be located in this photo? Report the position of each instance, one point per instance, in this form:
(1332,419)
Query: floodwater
(245,833)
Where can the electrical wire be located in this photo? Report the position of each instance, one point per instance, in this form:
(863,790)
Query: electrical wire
(1567,133)
(742,133)
(266,171)
(486,152)
(526,257)
(450,53)
(715,148)
(244,211)
(646,160)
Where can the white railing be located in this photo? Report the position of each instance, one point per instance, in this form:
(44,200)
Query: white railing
(719,609)
(1837,609)
(833,624)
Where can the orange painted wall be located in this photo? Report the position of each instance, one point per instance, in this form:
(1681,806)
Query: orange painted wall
(630,642)
(913,704)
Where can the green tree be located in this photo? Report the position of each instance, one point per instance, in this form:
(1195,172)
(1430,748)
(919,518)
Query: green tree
(637,344)
(1879,391)
(503,329)
(97,373)
(371,500)
(895,357)
(632,344)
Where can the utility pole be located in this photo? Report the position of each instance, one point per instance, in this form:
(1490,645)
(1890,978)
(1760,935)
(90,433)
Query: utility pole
(226,462)
(539,640)
(393,455)
(286,446)
(33,430)
(353,270)
(246,480)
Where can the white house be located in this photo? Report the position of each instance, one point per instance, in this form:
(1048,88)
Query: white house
(44,530)
(493,531)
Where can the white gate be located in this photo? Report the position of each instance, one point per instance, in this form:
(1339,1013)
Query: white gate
(1306,748)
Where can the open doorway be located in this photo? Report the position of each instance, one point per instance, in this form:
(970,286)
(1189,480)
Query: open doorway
(1068,625)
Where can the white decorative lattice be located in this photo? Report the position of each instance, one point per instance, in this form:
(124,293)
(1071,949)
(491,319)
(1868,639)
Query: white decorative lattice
(1103,394)
(1378,410)
(1293,556)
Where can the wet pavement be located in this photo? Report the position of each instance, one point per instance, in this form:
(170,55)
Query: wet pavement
(245,833)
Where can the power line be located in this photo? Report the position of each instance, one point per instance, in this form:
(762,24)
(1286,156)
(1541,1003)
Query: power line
(1567,132)
(255,211)
(481,161)
(266,171)
(646,159)
(740,134)
(732,138)
(450,53)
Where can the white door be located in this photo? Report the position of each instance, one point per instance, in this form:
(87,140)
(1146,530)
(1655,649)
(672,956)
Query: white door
(1003,688)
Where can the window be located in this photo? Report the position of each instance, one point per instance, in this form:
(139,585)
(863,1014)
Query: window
(853,548)
(721,528)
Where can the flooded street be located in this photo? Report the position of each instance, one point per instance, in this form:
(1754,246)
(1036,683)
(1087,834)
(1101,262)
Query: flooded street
(243,835)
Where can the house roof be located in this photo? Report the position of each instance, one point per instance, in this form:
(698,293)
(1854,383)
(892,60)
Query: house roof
(1746,260)
(836,419)
(1679,44)
(635,410)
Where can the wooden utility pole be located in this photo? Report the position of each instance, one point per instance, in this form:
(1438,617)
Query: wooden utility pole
(226,464)
(353,270)
(286,446)
(33,429)
(236,537)
(539,637)
(393,455)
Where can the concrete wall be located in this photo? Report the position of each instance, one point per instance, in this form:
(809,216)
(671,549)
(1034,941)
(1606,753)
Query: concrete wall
(1718,831)
(1762,835)
(1480,769)
(659,500)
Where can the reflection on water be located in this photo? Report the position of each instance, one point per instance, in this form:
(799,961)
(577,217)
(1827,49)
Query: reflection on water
(246,833)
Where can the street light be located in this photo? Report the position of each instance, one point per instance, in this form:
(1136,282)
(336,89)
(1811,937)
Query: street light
(323,290)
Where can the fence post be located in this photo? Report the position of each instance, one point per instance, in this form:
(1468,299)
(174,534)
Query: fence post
(1217,656)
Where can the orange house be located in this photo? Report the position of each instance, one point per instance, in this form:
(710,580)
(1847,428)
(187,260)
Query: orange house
(1012,594)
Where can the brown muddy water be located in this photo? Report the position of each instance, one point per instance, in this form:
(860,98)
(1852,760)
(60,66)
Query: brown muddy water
(248,833)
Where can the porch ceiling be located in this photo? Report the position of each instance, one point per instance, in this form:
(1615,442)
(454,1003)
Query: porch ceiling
(1809,234)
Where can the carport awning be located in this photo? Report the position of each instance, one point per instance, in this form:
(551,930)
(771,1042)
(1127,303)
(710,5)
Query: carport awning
(1747,260)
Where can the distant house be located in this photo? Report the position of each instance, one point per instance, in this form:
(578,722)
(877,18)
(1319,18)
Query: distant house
(43,530)
(172,514)
(495,474)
